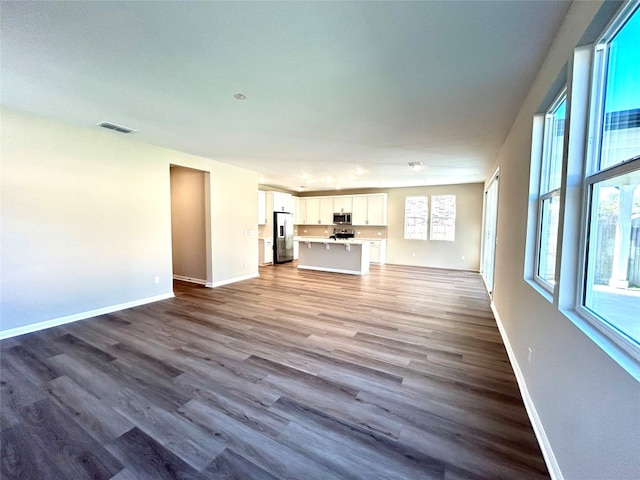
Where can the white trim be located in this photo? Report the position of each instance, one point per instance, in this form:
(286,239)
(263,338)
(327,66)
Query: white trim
(231,280)
(332,270)
(190,279)
(536,423)
(34,327)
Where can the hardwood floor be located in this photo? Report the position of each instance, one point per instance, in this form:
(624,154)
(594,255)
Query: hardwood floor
(400,374)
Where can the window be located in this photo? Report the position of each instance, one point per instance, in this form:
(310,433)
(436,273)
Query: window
(416,210)
(443,218)
(610,292)
(549,192)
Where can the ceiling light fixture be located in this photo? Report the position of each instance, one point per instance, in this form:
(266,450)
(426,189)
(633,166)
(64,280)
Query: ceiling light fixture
(116,127)
(239,96)
(415,165)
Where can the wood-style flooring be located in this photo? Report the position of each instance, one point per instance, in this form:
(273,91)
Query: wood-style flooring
(399,374)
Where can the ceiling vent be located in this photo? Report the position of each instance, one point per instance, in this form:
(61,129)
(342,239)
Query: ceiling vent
(117,128)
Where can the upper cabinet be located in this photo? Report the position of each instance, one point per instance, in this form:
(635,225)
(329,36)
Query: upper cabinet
(342,204)
(370,209)
(364,209)
(377,209)
(360,214)
(262,207)
(326,211)
(269,202)
(295,209)
(281,202)
(300,217)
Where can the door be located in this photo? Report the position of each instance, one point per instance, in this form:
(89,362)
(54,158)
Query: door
(489,233)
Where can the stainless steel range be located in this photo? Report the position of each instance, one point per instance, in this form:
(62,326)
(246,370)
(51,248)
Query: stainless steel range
(343,233)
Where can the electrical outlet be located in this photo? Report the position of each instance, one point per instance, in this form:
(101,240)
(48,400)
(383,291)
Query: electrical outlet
(413,254)
(462,257)
(156,279)
(530,356)
(246,264)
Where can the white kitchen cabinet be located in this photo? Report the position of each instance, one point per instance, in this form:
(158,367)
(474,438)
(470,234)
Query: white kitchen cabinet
(301,214)
(281,202)
(360,214)
(343,204)
(262,207)
(313,211)
(319,211)
(295,208)
(265,252)
(370,209)
(326,211)
(377,209)
(377,251)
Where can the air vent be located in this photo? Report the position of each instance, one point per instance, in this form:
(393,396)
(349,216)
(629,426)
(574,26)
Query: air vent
(117,128)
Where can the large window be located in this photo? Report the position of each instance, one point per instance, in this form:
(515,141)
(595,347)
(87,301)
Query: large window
(549,192)
(610,293)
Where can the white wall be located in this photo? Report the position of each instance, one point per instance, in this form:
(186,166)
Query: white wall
(438,254)
(86,221)
(588,405)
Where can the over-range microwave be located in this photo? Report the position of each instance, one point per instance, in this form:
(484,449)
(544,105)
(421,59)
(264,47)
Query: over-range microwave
(342,219)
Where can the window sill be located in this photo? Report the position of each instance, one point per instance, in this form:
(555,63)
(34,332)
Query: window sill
(546,294)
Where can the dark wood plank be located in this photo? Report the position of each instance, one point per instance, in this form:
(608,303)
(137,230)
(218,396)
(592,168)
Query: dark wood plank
(147,459)
(23,459)
(70,447)
(93,414)
(231,466)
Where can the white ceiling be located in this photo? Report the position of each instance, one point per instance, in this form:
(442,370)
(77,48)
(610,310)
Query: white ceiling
(331,87)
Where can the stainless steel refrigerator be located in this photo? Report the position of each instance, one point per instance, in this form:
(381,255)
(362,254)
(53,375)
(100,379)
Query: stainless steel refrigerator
(282,237)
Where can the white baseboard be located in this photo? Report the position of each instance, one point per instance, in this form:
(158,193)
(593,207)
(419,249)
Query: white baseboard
(332,270)
(231,280)
(199,281)
(536,423)
(34,327)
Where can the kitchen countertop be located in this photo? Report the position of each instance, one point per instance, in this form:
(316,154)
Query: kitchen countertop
(356,241)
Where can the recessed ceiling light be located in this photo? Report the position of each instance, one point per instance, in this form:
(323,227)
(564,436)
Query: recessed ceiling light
(359,171)
(415,165)
(239,96)
(116,127)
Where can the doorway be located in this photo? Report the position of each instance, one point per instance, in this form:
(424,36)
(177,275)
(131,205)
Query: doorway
(489,232)
(190,235)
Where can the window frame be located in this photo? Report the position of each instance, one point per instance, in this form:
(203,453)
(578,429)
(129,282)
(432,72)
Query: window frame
(544,193)
(593,175)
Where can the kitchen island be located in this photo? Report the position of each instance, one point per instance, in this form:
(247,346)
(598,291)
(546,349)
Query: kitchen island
(339,256)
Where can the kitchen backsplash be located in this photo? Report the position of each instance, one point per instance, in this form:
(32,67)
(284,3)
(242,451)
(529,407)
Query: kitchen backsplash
(326,230)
